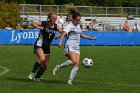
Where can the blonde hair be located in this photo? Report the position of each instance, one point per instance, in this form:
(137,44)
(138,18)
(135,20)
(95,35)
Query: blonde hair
(50,14)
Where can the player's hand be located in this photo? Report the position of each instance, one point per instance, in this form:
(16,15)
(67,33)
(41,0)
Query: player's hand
(41,28)
(60,45)
(94,38)
(57,36)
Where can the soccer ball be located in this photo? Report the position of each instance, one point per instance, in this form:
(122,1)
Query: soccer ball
(87,62)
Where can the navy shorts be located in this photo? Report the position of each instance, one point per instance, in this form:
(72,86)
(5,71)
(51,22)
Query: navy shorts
(46,49)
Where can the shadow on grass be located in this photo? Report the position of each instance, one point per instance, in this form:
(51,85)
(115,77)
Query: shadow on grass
(19,79)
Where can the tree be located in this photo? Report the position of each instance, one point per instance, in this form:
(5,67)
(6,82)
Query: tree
(49,2)
(113,3)
(81,2)
(97,2)
(61,2)
(131,3)
(8,14)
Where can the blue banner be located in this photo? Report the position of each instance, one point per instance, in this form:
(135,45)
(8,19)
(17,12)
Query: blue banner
(103,38)
(18,36)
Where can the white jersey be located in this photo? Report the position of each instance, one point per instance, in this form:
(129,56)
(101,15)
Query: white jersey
(73,35)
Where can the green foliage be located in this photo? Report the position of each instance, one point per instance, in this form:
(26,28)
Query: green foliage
(81,2)
(15,1)
(61,2)
(112,3)
(109,3)
(131,3)
(49,2)
(9,14)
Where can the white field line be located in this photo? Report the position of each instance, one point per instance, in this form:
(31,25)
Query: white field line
(5,70)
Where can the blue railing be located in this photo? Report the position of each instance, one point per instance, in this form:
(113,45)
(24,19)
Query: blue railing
(103,38)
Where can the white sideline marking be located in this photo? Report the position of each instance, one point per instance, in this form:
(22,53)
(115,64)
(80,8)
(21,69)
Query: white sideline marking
(5,70)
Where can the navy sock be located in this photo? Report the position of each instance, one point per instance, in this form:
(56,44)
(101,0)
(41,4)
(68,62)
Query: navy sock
(40,72)
(36,66)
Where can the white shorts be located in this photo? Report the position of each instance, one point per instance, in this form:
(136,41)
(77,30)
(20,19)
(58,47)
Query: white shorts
(70,48)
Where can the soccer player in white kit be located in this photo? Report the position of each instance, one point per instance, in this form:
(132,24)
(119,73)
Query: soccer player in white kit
(72,46)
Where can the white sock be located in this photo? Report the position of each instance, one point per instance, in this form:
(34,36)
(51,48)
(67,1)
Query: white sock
(73,72)
(66,63)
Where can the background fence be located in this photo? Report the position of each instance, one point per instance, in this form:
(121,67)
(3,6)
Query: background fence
(108,18)
(88,11)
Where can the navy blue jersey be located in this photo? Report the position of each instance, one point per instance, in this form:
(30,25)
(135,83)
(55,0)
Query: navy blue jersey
(45,37)
(47,34)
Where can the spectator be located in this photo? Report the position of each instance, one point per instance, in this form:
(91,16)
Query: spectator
(8,27)
(61,21)
(137,27)
(19,27)
(92,26)
(126,27)
(130,16)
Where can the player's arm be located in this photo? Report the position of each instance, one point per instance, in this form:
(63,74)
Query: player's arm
(37,25)
(60,31)
(87,37)
(61,39)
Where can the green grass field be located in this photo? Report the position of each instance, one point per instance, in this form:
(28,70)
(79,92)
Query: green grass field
(116,70)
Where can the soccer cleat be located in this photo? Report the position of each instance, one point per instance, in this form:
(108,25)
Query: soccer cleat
(57,67)
(36,79)
(31,76)
(69,82)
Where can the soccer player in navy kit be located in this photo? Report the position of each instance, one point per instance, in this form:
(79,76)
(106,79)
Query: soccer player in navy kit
(42,45)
